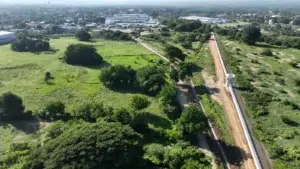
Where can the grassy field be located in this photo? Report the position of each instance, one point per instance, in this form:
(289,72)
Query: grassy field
(233,24)
(23,74)
(275,75)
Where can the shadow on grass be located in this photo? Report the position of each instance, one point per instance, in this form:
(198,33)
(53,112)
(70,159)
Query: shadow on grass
(159,121)
(201,89)
(235,155)
(29,126)
(98,67)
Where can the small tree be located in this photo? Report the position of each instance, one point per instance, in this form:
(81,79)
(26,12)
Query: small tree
(173,52)
(251,34)
(122,116)
(192,121)
(11,107)
(83,35)
(267,52)
(83,55)
(139,102)
(53,111)
(174,75)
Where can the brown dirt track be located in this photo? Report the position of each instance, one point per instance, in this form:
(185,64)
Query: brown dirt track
(231,114)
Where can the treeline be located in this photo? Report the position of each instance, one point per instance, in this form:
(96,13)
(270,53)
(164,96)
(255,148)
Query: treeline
(116,132)
(112,35)
(29,42)
(182,25)
(251,34)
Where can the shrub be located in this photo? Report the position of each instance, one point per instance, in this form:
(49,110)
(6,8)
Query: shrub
(83,55)
(118,77)
(90,111)
(267,52)
(288,121)
(53,111)
(139,102)
(122,116)
(173,52)
(11,107)
(83,35)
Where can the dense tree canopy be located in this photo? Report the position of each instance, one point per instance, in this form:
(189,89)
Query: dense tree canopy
(83,35)
(112,35)
(11,107)
(173,52)
(168,101)
(28,42)
(251,34)
(192,121)
(90,145)
(150,79)
(118,77)
(83,55)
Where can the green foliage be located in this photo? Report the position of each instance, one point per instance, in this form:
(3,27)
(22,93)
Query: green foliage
(122,116)
(287,120)
(258,101)
(83,55)
(27,42)
(90,111)
(53,111)
(185,70)
(180,156)
(140,121)
(155,153)
(250,34)
(168,101)
(11,107)
(192,121)
(139,102)
(174,75)
(150,79)
(83,35)
(187,25)
(112,35)
(54,130)
(118,77)
(267,52)
(90,145)
(173,52)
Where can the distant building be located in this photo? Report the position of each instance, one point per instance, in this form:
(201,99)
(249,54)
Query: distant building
(128,18)
(131,20)
(206,19)
(7,37)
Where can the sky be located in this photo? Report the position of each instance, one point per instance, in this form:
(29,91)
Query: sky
(145,2)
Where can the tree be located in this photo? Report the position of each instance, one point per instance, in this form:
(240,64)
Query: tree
(139,102)
(53,111)
(267,52)
(192,121)
(118,77)
(90,111)
(174,75)
(168,101)
(182,155)
(90,145)
(150,79)
(173,52)
(83,35)
(122,116)
(29,42)
(185,70)
(250,34)
(83,55)
(11,107)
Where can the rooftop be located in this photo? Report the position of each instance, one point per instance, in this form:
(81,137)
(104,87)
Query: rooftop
(5,33)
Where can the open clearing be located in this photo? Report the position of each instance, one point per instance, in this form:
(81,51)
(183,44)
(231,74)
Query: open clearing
(23,74)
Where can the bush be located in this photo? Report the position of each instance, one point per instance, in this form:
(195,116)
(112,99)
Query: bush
(11,107)
(123,116)
(267,52)
(53,111)
(83,55)
(173,52)
(118,77)
(83,35)
(30,43)
(150,79)
(90,111)
(139,102)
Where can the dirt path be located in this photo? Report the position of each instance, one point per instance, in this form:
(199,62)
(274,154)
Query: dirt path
(231,115)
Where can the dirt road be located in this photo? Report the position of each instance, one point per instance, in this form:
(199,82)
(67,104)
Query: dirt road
(231,115)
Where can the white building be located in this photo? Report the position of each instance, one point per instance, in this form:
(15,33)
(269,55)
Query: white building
(7,37)
(128,18)
(206,19)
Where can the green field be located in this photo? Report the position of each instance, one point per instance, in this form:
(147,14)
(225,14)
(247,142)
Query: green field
(265,73)
(23,74)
